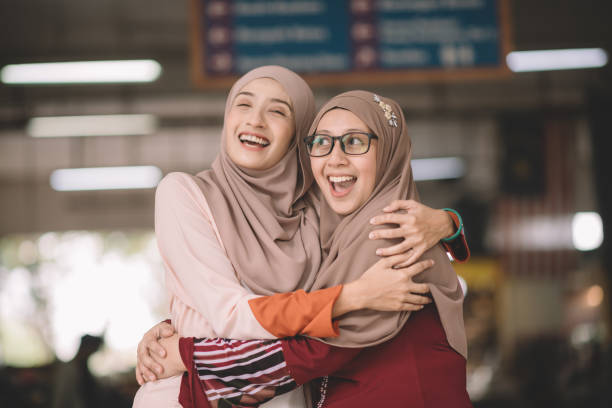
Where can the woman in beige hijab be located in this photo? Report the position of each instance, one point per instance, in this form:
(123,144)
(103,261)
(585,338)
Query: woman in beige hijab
(264,234)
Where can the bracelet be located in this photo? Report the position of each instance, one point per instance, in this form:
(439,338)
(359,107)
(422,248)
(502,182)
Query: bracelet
(459,230)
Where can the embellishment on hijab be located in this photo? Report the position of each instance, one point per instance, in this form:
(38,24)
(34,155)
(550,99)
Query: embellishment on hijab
(389,114)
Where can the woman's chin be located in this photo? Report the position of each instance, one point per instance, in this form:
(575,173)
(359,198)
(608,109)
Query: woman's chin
(342,207)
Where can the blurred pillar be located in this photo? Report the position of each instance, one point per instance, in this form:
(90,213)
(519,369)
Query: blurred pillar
(533,229)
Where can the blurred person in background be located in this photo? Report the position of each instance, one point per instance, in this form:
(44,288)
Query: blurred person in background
(75,386)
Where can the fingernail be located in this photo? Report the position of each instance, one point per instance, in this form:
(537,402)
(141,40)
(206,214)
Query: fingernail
(372,235)
(379,252)
(372,220)
(151,378)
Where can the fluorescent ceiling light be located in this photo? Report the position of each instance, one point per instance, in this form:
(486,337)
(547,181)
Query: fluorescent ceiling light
(438,168)
(550,60)
(105,178)
(587,231)
(80,72)
(94,125)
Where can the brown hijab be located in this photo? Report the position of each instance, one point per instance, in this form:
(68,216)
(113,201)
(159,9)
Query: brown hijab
(344,239)
(270,235)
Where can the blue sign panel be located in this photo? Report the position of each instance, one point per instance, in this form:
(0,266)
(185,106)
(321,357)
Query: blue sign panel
(347,36)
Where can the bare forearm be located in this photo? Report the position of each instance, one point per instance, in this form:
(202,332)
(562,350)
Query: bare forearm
(350,299)
(446,223)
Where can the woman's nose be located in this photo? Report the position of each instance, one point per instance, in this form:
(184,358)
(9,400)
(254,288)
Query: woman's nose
(337,155)
(256,118)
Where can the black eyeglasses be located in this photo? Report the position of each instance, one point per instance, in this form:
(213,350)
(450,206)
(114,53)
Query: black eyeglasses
(353,143)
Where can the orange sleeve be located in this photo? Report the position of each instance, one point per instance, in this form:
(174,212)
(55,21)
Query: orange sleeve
(299,312)
(458,247)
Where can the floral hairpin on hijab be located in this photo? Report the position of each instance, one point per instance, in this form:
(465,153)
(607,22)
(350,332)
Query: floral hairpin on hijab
(389,114)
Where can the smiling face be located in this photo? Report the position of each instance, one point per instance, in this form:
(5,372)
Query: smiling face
(347,181)
(260,125)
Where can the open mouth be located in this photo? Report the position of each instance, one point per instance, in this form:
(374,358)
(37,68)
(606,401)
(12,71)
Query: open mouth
(341,185)
(253,141)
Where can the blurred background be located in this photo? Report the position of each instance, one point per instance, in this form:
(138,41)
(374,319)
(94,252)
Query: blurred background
(517,142)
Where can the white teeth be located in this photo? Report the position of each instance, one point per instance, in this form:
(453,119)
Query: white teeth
(340,179)
(254,139)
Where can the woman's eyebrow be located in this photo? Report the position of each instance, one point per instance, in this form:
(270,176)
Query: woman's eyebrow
(247,93)
(327,132)
(282,101)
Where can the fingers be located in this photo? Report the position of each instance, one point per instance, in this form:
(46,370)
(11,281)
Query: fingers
(400,205)
(146,374)
(396,249)
(393,218)
(139,378)
(150,367)
(391,261)
(165,330)
(419,288)
(409,307)
(147,365)
(413,302)
(155,347)
(415,254)
(400,248)
(418,268)
(417,299)
(390,233)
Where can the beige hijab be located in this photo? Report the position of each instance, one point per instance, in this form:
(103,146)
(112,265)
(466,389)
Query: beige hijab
(270,235)
(344,239)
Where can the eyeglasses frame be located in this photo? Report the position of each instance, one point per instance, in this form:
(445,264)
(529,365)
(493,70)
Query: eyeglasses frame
(339,138)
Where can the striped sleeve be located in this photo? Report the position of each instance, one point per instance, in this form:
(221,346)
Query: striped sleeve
(234,372)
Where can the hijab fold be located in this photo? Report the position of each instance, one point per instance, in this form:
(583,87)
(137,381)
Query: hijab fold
(348,252)
(270,235)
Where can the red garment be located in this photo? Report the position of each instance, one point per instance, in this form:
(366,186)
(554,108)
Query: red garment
(191,394)
(417,368)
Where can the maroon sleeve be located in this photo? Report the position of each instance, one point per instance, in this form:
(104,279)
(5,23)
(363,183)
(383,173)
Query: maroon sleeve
(308,359)
(192,394)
